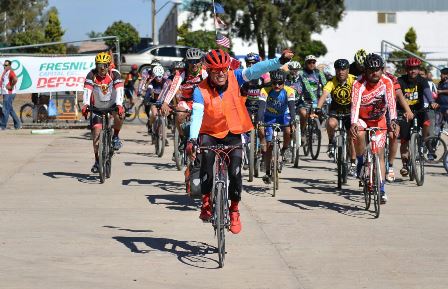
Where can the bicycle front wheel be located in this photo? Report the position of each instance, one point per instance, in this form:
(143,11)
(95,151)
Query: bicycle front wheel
(102,155)
(314,140)
(376,185)
(445,162)
(436,149)
(160,136)
(177,152)
(220,222)
(296,148)
(274,167)
(339,160)
(417,159)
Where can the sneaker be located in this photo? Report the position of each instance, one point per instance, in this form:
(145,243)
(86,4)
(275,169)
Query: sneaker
(95,168)
(404,171)
(116,142)
(390,177)
(267,179)
(383,198)
(235,222)
(431,157)
(206,209)
(352,170)
(330,151)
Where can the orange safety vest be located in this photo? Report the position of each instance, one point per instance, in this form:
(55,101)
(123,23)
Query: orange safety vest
(225,114)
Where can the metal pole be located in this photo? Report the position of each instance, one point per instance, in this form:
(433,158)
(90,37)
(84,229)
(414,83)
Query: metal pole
(4,26)
(154,36)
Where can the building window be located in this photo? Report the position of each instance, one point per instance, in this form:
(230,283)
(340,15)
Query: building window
(384,17)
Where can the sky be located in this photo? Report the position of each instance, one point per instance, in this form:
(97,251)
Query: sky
(78,17)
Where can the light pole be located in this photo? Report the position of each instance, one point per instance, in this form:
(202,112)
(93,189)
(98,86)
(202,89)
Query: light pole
(154,12)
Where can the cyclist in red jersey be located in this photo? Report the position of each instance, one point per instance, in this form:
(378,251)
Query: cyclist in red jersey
(373,96)
(183,84)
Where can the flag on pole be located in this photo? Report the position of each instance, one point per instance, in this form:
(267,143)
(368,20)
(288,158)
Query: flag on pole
(220,24)
(218,8)
(221,40)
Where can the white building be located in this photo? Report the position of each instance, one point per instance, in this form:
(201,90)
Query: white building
(364,25)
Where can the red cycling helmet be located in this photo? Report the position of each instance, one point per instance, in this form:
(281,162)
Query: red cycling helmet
(217,58)
(134,66)
(412,62)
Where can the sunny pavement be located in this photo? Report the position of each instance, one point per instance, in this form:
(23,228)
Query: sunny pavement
(60,228)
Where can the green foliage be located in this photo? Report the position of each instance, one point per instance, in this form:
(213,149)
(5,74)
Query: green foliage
(201,39)
(127,34)
(30,36)
(94,34)
(279,23)
(410,44)
(53,33)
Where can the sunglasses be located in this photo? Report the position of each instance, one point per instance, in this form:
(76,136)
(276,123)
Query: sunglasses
(5,65)
(278,83)
(311,61)
(218,70)
(102,65)
(194,61)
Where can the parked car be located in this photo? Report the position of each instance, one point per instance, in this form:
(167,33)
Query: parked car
(166,54)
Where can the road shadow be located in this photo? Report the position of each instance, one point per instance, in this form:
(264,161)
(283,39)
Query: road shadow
(84,136)
(191,253)
(344,209)
(138,154)
(168,186)
(262,191)
(82,178)
(158,166)
(175,202)
(128,230)
(137,141)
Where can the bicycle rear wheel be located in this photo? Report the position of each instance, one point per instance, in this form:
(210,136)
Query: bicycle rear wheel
(102,155)
(417,159)
(177,153)
(314,139)
(130,111)
(161,136)
(141,114)
(220,222)
(436,147)
(26,113)
(252,155)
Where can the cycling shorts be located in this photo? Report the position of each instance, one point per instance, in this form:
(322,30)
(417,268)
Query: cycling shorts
(405,126)
(128,92)
(282,120)
(96,120)
(346,120)
(306,103)
(381,135)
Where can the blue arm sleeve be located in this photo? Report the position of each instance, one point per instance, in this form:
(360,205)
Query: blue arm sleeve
(197,113)
(257,70)
(427,93)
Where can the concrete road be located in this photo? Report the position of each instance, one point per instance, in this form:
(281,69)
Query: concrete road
(60,228)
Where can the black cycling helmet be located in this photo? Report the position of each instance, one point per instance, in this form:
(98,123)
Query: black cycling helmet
(178,65)
(278,75)
(444,70)
(341,64)
(373,61)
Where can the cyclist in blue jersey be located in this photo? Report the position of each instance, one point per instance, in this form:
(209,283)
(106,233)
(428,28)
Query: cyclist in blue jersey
(276,105)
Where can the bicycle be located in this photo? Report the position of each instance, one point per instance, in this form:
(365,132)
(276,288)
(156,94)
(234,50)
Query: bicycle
(105,148)
(254,159)
(371,177)
(313,135)
(220,203)
(445,162)
(276,164)
(296,143)
(35,112)
(159,131)
(416,151)
(180,156)
(341,150)
(435,145)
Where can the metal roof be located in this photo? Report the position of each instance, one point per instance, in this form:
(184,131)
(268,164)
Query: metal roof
(396,5)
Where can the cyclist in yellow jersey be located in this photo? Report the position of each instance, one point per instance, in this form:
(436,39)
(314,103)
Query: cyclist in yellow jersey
(340,90)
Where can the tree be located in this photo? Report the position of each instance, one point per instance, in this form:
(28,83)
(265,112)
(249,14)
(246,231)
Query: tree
(53,33)
(410,45)
(30,36)
(94,34)
(127,34)
(21,16)
(278,23)
(201,39)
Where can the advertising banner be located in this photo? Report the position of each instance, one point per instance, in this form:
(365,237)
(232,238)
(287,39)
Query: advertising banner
(50,74)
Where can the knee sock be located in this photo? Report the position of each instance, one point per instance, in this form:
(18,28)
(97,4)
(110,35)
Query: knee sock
(234,206)
(116,132)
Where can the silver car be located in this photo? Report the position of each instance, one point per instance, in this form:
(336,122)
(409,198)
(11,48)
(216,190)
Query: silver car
(166,54)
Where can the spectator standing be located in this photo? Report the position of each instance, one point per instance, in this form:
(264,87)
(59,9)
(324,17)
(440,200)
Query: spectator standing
(442,89)
(8,82)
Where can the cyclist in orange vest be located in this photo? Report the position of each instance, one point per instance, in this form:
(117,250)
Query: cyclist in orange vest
(220,117)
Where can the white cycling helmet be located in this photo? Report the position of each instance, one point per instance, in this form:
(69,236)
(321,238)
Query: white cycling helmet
(294,65)
(158,71)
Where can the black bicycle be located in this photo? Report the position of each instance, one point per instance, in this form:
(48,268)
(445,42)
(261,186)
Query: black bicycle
(313,135)
(435,145)
(220,202)
(180,156)
(276,163)
(159,129)
(105,148)
(417,151)
(253,148)
(341,148)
